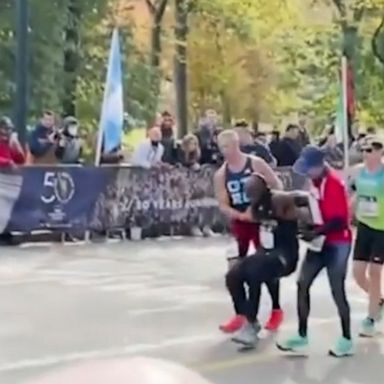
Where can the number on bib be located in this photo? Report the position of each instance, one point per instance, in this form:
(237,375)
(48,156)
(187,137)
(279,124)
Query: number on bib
(267,238)
(368,206)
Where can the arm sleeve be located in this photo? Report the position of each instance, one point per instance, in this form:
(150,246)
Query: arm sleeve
(333,225)
(35,146)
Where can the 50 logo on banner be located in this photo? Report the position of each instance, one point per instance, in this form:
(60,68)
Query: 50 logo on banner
(59,187)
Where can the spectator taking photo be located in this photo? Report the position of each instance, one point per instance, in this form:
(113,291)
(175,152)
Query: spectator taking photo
(69,147)
(43,139)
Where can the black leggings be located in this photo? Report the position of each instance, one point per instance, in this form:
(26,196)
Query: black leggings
(255,270)
(335,259)
(272,286)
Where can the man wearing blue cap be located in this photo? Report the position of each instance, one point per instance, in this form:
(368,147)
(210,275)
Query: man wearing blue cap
(329,246)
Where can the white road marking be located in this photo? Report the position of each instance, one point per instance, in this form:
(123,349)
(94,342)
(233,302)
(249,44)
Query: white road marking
(106,353)
(78,356)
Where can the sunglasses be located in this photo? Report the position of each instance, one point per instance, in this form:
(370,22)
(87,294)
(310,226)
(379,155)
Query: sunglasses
(372,148)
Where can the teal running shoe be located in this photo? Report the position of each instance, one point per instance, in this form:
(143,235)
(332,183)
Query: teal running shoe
(296,344)
(368,328)
(342,348)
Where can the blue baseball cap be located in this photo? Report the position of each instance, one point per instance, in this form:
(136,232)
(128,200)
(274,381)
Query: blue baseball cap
(311,157)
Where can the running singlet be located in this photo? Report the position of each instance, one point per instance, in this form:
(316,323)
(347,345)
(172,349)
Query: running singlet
(370,198)
(235,184)
(279,239)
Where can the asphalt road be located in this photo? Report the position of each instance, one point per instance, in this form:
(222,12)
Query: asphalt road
(61,305)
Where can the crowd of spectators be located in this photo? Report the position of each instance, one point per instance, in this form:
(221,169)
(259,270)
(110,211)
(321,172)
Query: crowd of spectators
(53,142)
(162,148)
(59,142)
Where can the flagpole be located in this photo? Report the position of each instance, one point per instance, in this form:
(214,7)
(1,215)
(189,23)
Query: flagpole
(344,82)
(99,146)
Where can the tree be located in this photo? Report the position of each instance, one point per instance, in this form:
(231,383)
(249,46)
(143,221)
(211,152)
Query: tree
(180,65)
(231,55)
(71,57)
(156,9)
(378,41)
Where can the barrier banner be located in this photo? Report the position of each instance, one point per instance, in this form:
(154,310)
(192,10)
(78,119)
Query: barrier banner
(57,198)
(158,201)
(167,201)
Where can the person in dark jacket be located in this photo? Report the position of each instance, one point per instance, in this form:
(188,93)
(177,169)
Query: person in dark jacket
(290,148)
(168,140)
(274,144)
(303,136)
(43,140)
(253,147)
(207,135)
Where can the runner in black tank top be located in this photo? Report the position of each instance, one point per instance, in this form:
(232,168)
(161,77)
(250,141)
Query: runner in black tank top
(235,183)
(277,256)
(229,188)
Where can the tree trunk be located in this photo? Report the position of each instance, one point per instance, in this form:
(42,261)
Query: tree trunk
(71,58)
(156,47)
(378,42)
(226,107)
(156,9)
(180,68)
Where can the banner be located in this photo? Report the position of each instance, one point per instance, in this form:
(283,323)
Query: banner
(57,198)
(159,201)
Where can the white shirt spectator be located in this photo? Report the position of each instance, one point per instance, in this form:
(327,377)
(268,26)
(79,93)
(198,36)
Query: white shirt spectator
(147,154)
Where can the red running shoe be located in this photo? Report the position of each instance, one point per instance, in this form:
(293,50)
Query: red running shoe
(275,320)
(233,325)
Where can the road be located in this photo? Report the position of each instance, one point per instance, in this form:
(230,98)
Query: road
(61,305)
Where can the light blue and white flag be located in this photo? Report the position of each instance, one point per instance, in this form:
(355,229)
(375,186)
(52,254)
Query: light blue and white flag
(112,110)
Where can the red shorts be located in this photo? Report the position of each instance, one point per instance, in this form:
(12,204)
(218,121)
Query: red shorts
(245,233)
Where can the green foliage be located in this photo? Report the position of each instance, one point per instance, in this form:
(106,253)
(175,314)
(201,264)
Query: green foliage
(6,55)
(308,61)
(259,59)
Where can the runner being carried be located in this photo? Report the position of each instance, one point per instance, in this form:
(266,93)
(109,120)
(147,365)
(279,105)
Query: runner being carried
(230,182)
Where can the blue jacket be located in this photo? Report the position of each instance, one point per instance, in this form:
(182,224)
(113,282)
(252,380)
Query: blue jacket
(37,147)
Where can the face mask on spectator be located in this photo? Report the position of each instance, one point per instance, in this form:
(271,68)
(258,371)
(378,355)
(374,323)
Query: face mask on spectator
(154,143)
(72,130)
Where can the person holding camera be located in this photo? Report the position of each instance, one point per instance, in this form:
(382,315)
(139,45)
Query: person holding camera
(43,139)
(69,145)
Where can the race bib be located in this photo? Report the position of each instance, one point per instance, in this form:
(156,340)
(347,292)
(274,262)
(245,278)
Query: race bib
(267,238)
(367,206)
(317,244)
